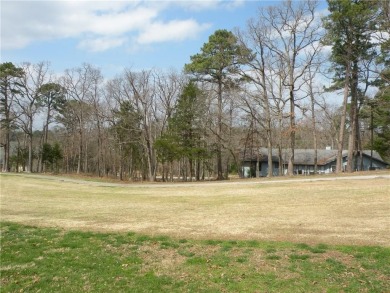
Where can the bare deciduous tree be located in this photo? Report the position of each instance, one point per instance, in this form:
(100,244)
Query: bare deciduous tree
(139,89)
(28,101)
(79,83)
(294,40)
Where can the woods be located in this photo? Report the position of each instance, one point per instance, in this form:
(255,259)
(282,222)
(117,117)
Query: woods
(263,85)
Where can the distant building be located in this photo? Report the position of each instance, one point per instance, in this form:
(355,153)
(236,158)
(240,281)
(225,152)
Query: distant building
(255,162)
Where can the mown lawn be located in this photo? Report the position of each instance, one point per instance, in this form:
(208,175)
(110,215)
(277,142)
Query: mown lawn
(57,260)
(345,212)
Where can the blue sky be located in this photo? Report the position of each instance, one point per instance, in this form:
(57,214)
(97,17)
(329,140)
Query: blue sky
(116,34)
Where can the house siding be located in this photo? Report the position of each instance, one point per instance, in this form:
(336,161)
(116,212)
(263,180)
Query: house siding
(305,165)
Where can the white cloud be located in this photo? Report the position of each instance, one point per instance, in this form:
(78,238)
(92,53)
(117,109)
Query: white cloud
(176,30)
(101,44)
(120,23)
(42,20)
(96,24)
(198,5)
(234,3)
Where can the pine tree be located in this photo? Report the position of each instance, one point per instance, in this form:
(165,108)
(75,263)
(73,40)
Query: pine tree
(128,134)
(9,86)
(349,26)
(185,135)
(217,63)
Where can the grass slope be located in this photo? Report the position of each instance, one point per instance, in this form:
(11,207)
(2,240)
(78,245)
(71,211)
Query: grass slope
(55,260)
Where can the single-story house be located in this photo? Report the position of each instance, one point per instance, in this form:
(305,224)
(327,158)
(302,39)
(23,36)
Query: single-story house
(254,162)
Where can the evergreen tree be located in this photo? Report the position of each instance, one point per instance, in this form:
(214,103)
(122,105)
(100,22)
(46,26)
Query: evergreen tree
(218,61)
(51,155)
(128,134)
(185,135)
(10,85)
(56,155)
(46,153)
(380,105)
(349,26)
(52,97)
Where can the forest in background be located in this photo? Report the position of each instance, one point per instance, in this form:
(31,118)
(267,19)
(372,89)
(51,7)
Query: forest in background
(258,86)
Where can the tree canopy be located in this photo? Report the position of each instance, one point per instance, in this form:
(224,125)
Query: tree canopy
(242,91)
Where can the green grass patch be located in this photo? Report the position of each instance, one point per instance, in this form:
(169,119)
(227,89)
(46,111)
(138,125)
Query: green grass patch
(185,253)
(299,256)
(270,250)
(273,257)
(197,261)
(213,242)
(242,259)
(52,260)
(320,248)
(142,238)
(168,244)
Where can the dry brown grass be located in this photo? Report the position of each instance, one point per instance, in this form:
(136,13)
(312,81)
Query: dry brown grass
(333,212)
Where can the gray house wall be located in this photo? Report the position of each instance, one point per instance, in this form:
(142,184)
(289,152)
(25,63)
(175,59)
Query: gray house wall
(248,169)
(305,166)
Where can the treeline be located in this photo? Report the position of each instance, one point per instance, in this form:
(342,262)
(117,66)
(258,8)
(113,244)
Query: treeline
(257,87)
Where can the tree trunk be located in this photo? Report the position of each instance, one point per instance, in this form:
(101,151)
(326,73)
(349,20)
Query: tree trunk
(30,149)
(99,154)
(267,114)
(352,140)
(197,170)
(151,165)
(268,130)
(80,151)
(171,170)
(86,161)
(219,133)
(6,166)
(280,157)
(270,162)
(46,127)
(290,169)
(340,142)
(313,119)
(41,167)
(190,166)
(120,163)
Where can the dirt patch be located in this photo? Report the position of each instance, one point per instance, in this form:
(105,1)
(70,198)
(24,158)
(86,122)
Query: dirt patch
(162,261)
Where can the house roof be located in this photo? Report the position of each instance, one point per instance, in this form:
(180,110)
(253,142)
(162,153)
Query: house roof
(301,156)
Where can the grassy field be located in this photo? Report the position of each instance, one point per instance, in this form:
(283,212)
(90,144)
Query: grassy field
(53,260)
(333,212)
(61,235)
